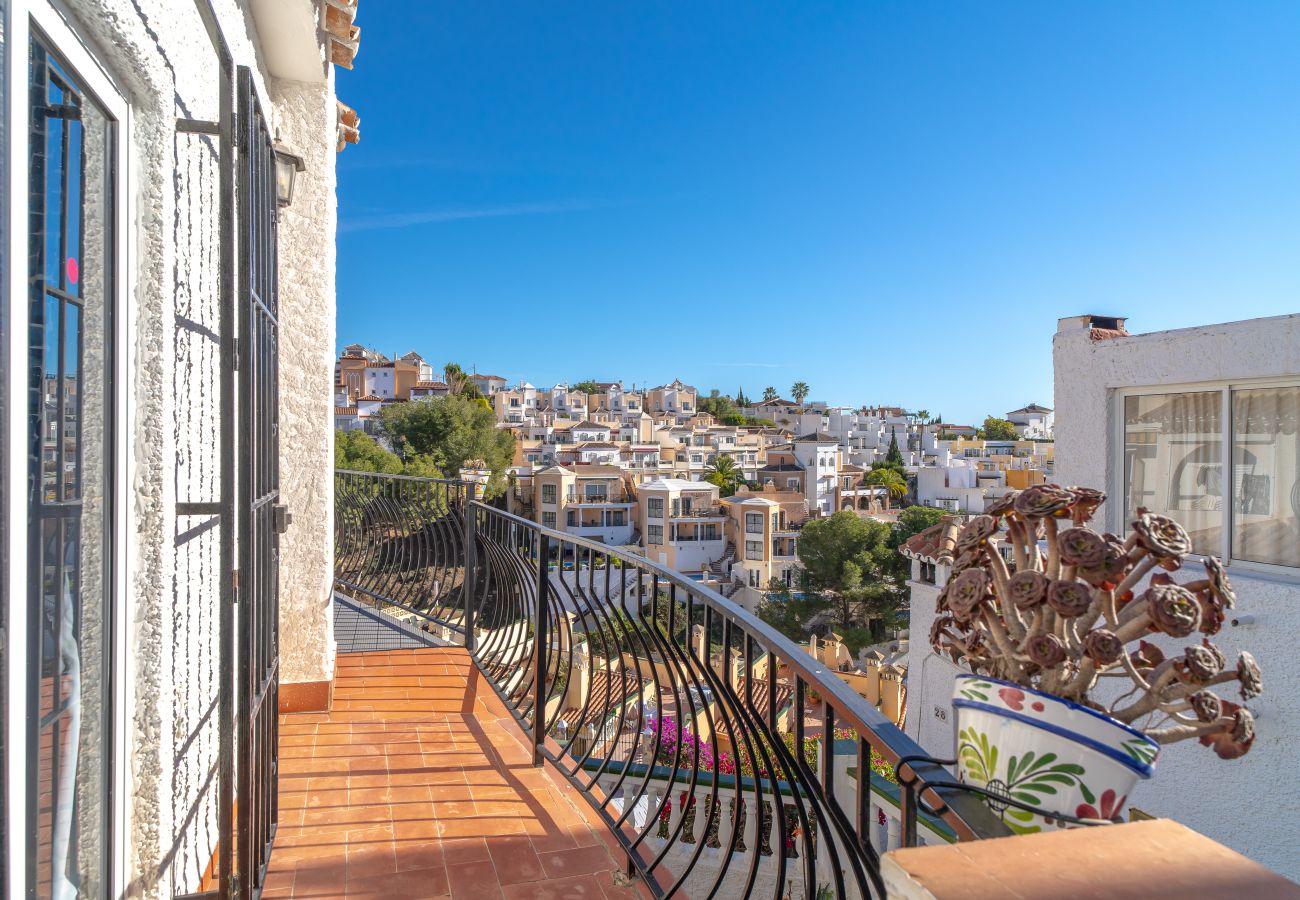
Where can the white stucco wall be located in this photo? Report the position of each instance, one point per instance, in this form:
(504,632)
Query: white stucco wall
(930,678)
(305,115)
(694,556)
(158,52)
(1249,804)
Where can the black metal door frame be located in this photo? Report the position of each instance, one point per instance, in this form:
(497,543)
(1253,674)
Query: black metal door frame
(261,518)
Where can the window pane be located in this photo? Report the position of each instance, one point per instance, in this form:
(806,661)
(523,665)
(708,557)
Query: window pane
(1266,476)
(1172,462)
(70,278)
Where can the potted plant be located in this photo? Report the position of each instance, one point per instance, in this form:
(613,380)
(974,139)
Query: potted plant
(1067,703)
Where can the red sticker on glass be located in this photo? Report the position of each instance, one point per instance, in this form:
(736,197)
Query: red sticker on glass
(73,271)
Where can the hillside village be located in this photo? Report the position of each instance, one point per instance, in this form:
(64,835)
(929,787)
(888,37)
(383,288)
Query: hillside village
(639,468)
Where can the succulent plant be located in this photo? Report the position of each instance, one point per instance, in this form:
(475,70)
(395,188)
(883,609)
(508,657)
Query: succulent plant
(1060,621)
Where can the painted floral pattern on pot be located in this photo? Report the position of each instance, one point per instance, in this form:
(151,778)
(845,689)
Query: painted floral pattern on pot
(1045,752)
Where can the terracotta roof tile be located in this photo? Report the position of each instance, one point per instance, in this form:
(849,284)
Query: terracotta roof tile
(607,693)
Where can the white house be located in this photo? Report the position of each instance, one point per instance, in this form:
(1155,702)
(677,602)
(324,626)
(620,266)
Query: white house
(1203,424)
(1151,419)
(818,453)
(1033,421)
(958,484)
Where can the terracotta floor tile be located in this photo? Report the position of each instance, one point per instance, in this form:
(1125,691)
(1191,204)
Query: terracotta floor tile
(418,784)
(473,881)
(370,859)
(580,861)
(466,849)
(581,887)
(514,860)
(419,853)
(416,830)
(413,884)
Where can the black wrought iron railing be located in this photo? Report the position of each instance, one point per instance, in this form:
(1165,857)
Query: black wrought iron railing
(724,759)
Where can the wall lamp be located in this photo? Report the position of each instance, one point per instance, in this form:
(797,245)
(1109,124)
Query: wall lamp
(287,167)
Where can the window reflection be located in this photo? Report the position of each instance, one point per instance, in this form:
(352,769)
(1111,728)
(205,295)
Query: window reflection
(70,168)
(1266,473)
(1173,462)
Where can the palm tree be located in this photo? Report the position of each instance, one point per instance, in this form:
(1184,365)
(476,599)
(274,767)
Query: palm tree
(724,472)
(923,415)
(458,381)
(891,480)
(769,394)
(799,391)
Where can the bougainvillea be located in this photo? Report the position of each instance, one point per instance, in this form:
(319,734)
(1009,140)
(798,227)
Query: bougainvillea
(698,754)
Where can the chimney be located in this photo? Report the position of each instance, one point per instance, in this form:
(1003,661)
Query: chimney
(1099,328)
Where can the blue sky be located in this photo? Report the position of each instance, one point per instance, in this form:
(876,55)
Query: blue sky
(891,201)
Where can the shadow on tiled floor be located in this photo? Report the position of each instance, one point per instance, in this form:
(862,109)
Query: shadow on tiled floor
(418,784)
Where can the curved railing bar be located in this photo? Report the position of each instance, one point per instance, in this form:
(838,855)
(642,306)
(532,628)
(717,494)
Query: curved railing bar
(889,740)
(401,541)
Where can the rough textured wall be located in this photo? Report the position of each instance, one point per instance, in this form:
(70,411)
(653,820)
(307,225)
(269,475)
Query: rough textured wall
(1247,804)
(159,53)
(305,115)
(194,613)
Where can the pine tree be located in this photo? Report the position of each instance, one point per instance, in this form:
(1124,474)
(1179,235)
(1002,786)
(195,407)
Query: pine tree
(894,456)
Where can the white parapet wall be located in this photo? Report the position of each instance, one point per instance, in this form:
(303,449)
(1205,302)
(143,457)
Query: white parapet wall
(1248,803)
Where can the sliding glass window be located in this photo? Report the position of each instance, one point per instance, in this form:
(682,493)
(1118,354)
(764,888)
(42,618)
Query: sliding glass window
(1225,462)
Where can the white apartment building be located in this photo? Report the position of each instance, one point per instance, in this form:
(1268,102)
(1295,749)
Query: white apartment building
(517,405)
(675,400)
(819,454)
(762,540)
(568,403)
(488,385)
(591,501)
(681,523)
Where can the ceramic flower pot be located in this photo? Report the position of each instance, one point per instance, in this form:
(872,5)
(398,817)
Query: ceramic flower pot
(1047,752)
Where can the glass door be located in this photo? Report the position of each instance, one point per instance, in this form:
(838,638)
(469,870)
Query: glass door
(72,166)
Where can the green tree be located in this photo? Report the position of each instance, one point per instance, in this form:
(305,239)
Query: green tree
(799,390)
(794,616)
(923,415)
(741,399)
(998,430)
(422,466)
(724,472)
(914,520)
(894,483)
(720,406)
(825,545)
(893,456)
(588,387)
(447,432)
(359,452)
(852,564)
(769,394)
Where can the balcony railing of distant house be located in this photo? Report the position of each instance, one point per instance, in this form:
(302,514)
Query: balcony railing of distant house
(686,723)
